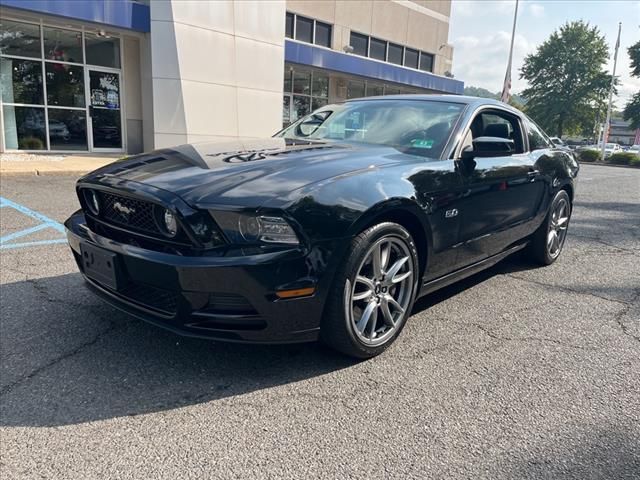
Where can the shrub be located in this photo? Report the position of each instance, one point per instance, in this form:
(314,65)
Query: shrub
(30,143)
(635,162)
(589,156)
(622,158)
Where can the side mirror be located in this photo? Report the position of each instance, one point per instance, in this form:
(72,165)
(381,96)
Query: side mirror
(489,147)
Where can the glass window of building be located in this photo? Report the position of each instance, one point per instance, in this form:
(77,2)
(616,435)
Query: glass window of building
(286,109)
(323,34)
(308,91)
(304,29)
(65,85)
(301,107)
(388,90)
(374,89)
(317,103)
(45,99)
(288,25)
(378,49)
(302,82)
(355,89)
(426,62)
(21,39)
(410,58)
(67,129)
(21,81)
(359,43)
(287,79)
(103,51)
(62,45)
(395,54)
(320,87)
(24,128)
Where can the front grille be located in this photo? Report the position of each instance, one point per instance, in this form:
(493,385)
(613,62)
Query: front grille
(151,297)
(229,303)
(128,212)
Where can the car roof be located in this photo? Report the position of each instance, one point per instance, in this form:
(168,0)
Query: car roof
(464,99)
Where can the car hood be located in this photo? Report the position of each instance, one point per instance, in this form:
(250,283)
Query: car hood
(247,173)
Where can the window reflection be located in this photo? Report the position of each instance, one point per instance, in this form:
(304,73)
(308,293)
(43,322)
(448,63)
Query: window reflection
(21,39)
(67,129)
(102,51)
(301,107)
(106,128)
(65,85)
(21,81)
(24,128)
(62,45)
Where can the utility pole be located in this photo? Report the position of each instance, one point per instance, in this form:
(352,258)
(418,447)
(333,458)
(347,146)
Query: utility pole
(506,88)
(605,134)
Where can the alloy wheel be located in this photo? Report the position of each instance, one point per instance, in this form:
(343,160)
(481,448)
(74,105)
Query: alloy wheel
(381,292)
(558,227)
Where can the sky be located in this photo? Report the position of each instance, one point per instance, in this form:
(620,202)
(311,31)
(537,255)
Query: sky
(480,31)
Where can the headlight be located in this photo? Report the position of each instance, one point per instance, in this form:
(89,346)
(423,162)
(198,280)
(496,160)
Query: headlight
(92,201)
(242,228)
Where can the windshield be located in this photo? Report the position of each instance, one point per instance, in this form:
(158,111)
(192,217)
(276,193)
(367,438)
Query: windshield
(419,127)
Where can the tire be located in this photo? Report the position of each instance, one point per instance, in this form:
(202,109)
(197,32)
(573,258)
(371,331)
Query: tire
(547,242)
(387,296)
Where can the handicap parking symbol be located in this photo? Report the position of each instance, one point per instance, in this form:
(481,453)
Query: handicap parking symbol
(14,240)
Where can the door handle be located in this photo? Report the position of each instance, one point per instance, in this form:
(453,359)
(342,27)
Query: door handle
(532,172)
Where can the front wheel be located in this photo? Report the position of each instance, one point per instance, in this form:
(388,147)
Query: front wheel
(373,293)
(548,240)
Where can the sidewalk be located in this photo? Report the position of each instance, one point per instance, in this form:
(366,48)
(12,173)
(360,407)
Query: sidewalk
(42,164)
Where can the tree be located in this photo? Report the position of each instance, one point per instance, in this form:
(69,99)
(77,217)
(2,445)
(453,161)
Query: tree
(516,101)
(568,85)
(632,109)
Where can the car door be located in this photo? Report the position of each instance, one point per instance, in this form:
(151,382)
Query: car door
(502,193)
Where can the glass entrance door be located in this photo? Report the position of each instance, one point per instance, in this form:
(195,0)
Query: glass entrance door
(104,110)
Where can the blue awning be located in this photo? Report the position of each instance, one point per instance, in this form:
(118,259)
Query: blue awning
(304,54)
(127,14)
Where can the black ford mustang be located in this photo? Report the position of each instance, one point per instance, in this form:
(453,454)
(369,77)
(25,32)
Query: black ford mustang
(331,229)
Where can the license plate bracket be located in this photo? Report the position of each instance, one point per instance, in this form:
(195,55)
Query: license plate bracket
(100,265)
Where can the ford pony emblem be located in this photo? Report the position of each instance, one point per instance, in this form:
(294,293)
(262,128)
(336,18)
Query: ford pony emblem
(123,209)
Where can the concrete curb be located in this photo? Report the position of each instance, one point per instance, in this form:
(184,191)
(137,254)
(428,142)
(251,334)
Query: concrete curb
(604,164)
(71,165)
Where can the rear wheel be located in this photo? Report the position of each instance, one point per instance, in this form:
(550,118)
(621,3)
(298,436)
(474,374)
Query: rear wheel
(373,293)
(547,242)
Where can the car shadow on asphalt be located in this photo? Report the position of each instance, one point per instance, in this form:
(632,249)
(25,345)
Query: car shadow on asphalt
(68,358)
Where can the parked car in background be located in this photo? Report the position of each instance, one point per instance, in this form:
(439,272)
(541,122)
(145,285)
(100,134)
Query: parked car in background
(557,141)
(331,229)
(611,148)
(634,149)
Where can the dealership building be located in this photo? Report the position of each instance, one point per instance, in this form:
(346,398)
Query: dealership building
(133,75)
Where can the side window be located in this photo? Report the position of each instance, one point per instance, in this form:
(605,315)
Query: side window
(537,139)
(493,123)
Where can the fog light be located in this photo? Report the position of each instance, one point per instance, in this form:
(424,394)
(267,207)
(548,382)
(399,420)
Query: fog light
(93,203)
(170,223)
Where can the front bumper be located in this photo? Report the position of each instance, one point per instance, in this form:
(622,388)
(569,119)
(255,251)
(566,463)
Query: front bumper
(227,296)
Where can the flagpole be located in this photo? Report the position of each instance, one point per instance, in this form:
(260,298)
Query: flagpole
(605,134)
(506,88)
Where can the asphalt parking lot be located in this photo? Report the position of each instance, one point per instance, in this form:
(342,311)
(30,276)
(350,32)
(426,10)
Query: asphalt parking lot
(518,372)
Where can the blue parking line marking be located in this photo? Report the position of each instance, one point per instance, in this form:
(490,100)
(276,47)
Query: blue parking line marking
(30,213)
(22,233)
(45,222)
(33,244)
